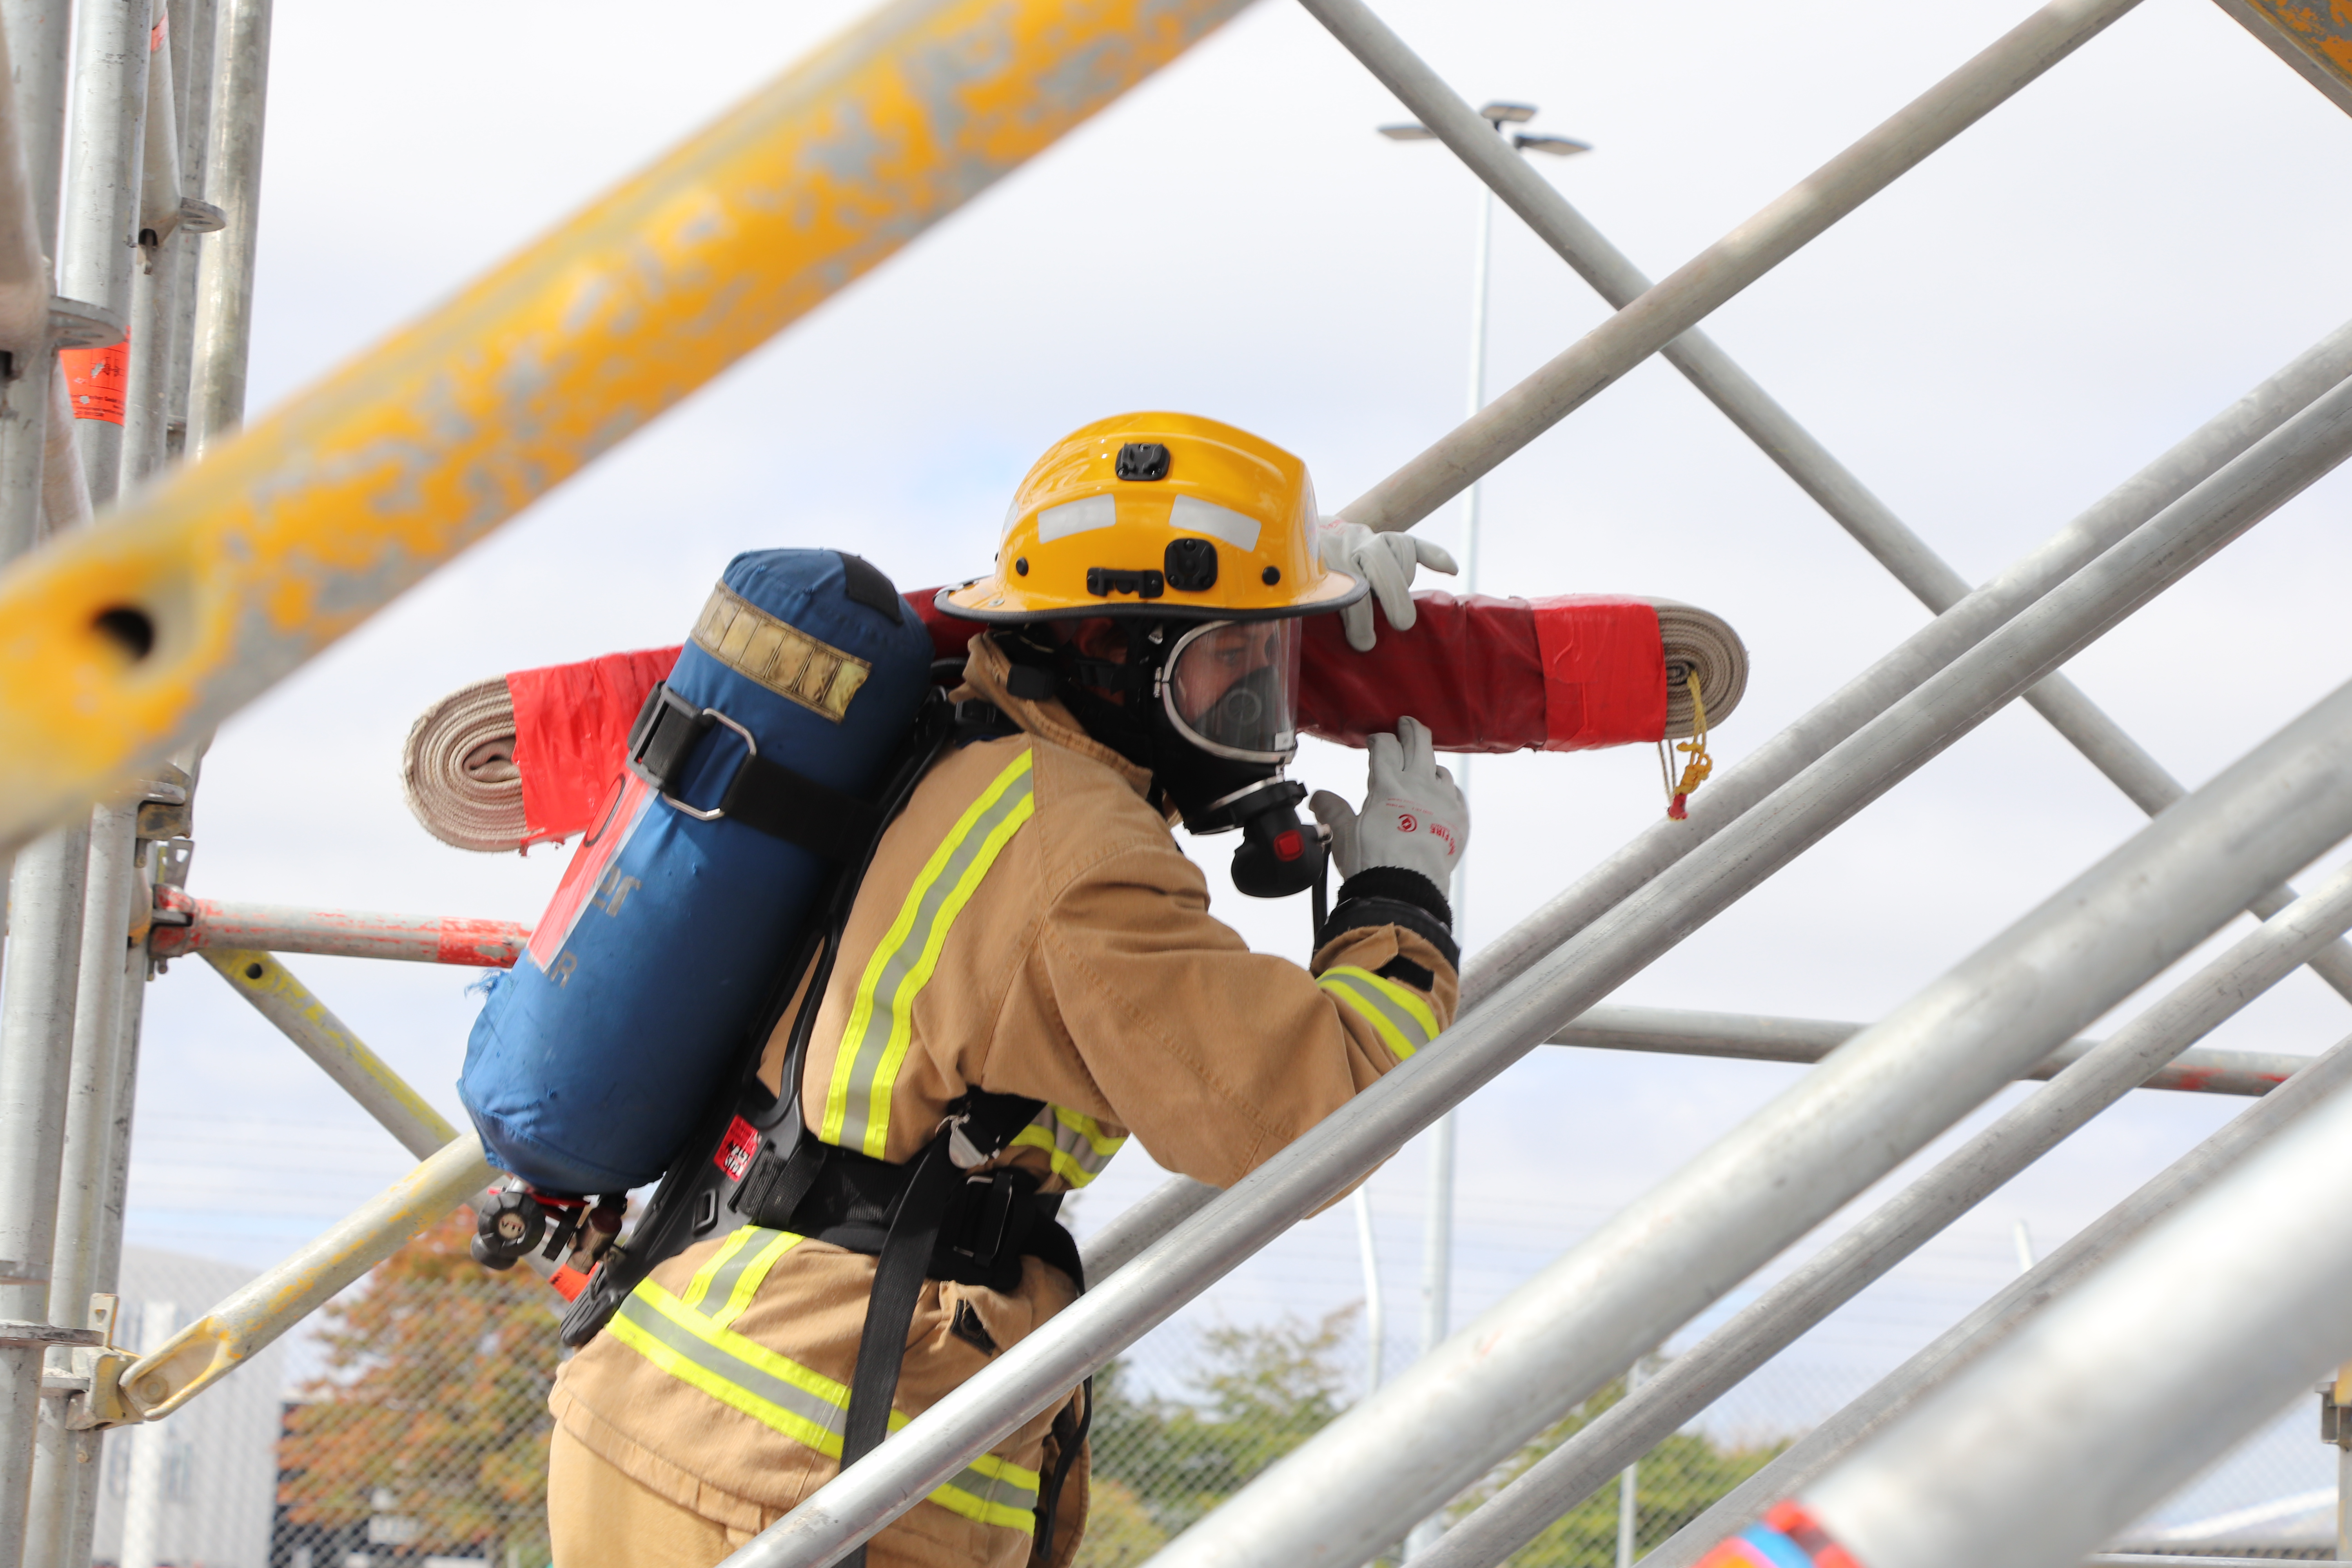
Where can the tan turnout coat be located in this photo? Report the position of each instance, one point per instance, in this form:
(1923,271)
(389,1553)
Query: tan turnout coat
(1029,927)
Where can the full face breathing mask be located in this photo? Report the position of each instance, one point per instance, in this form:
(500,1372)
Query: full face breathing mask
(1211,710)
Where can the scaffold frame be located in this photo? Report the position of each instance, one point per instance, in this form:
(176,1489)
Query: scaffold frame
(162,570)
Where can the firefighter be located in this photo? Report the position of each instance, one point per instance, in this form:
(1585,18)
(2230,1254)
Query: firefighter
(1029,934)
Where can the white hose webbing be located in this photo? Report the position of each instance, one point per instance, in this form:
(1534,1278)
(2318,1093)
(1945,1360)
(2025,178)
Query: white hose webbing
(1697,640)
(458,770)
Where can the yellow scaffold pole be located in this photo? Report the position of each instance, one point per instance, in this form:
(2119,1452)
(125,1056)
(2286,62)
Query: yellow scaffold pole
(119,642)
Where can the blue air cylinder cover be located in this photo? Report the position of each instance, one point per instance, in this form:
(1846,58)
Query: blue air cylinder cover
(595,1058)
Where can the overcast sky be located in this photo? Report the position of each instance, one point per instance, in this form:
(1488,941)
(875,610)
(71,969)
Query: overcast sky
(1993,343)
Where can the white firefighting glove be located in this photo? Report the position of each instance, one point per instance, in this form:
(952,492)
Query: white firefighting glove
(1414,814)
(1386,561)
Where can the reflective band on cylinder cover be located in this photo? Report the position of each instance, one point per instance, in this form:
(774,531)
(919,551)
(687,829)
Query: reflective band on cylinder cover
(1232,689)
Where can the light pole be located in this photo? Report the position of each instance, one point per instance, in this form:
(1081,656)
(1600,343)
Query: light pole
(1437,1245)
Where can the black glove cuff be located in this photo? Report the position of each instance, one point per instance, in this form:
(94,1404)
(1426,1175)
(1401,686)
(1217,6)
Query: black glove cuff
(1392,896)
(1399,886)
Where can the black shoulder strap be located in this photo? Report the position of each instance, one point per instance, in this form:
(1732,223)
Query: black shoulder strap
(898,1275)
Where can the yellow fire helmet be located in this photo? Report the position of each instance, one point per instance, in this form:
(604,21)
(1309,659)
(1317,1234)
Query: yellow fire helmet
(1166,515)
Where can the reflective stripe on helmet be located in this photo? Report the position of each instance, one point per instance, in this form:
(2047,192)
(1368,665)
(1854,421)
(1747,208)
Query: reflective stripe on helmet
(1077,1144)
(874,1044)
(802,1405)
(1400,1014)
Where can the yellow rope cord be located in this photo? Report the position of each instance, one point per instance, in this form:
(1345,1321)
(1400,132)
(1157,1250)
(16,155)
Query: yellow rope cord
(1695,771)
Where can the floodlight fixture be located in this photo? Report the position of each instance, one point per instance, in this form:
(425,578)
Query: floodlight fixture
(1541,141)
(1408,131)
(1503,114)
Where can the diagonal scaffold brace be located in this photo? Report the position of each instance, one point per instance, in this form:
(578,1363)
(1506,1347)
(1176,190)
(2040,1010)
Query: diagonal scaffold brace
(1776,433)
(207,591)
(2095,1081)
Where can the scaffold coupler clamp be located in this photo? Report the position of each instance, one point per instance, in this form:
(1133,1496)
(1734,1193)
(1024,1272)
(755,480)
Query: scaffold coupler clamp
(2336,1408)
(84,1367)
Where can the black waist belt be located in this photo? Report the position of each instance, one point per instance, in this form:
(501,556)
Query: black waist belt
(927,1219)
(981,1223)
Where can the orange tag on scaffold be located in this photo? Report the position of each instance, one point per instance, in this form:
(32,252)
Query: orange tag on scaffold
(158,32)
(95,380)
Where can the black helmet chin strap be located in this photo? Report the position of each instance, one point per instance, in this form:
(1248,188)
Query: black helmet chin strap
(1278,855)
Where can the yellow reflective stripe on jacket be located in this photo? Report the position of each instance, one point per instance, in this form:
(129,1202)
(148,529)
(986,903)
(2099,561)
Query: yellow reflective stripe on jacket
(800,1403)
(735,1272)
(1077,1142)
(1402,1015)
(700,1286)
(874,1044)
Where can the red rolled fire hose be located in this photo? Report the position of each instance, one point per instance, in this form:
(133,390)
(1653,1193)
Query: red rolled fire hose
(1566,674)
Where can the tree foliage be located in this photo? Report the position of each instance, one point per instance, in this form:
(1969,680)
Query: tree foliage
(1160,1464)
(433,1413)
(1263,1391)
(1674,1482)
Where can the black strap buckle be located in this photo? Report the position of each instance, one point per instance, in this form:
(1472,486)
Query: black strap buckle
(977,713)
(983,1236)
(663,737)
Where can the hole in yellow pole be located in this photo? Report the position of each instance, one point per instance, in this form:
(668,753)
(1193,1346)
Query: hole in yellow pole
(129,628)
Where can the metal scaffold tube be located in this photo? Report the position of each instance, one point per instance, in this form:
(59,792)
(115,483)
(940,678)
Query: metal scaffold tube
(1776,433)
(221,334)
(224,1338)
(1873,1104)
(1615,277)
(38,34)
(2027,580)
(327,1040)
(110,969)
(194,30)
(1669,308)
(98,230)
(344,933)
(26,284)
(165,225)
(453,1175)
(47,881)
(1818,1450)
(77,1499)
(1747,1036)
(1141,1224)
(36,1029)
(1345,1145)
(1833,1276)
(213,587)
(2170,1353)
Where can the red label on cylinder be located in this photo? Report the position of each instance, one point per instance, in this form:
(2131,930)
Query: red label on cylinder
(95,379)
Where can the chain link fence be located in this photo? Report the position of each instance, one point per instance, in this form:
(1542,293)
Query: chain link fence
(411,1429)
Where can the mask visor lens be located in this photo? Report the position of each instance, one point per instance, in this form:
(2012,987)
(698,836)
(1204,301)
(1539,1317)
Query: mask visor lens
(1233,689)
